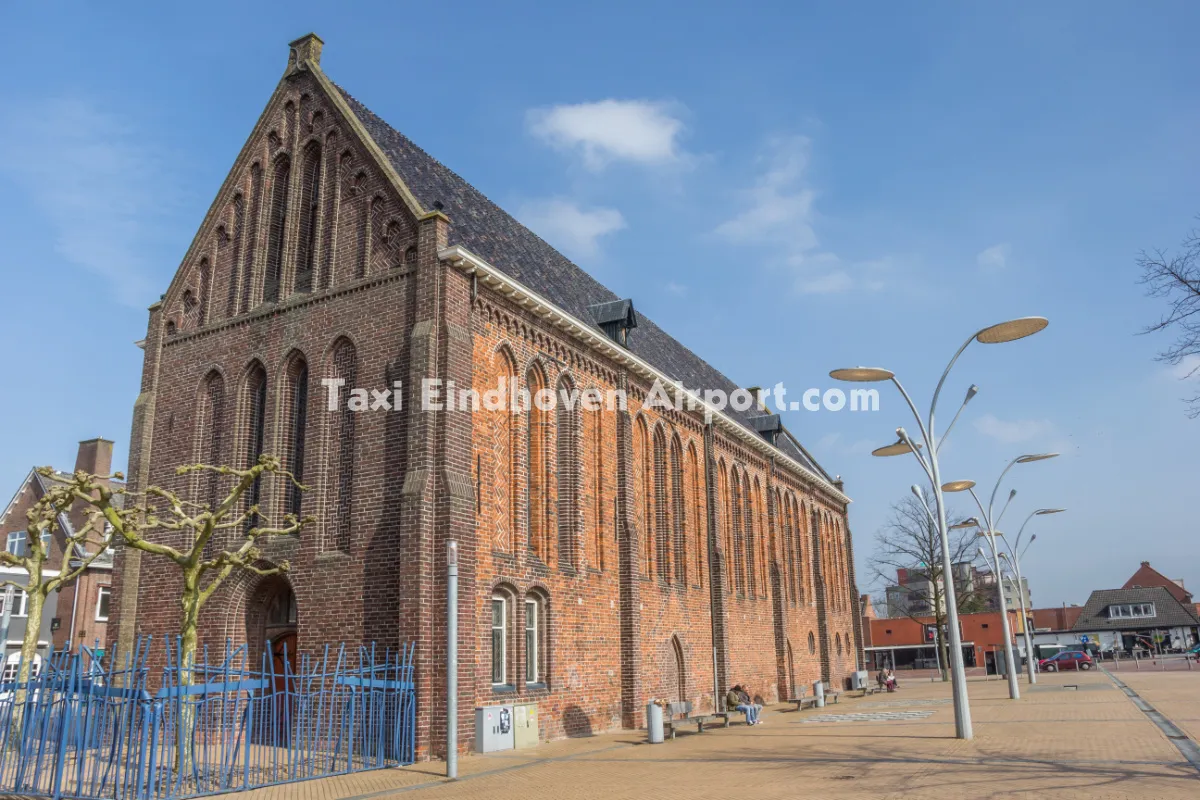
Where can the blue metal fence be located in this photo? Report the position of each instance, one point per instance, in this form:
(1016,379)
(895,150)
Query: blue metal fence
(78,728)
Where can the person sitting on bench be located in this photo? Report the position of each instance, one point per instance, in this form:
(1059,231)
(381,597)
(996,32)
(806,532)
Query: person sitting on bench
(734,702)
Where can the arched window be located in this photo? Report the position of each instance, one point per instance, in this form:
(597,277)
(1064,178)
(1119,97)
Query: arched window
(798,522)
(567,467)
(500,618)
(784,509)
(641,493)
(278,226)
(210,430)
(678,514)
(250,250)
(310,215)
(680,671)
(333,173)
(297,429)
(254,401)
(662,511)
(536,639)
(697,518)
(340,450)
(233,251)
(739,539)
(504,451)
(594,435)
(837,643)
(750,533)
(812,644)
(537,440)
(725,526)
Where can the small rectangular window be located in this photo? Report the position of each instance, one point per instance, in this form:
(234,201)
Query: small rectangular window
(498,641)
(531,641)
(102,599)
(20,601)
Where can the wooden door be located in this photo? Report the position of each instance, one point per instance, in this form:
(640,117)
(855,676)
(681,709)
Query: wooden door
(283,666)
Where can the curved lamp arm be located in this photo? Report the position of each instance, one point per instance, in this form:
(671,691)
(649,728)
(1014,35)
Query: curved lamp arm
(950,366)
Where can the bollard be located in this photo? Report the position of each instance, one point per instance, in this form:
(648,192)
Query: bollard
(819,693)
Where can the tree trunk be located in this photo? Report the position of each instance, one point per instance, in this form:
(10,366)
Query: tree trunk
(189,601)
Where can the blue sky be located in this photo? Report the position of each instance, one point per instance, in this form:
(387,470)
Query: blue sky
(786,189)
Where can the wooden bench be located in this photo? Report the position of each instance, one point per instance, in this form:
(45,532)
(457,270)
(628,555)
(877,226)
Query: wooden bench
(680,714)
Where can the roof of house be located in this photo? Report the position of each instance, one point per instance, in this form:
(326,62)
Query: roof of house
(1169,612)
(493,234)
(1147,575)
(1056,619)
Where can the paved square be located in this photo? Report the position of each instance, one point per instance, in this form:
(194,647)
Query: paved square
(1092,742)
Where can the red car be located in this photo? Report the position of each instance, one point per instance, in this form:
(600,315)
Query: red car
(1070,659)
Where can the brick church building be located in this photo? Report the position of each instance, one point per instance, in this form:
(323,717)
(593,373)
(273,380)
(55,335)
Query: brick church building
(608,556)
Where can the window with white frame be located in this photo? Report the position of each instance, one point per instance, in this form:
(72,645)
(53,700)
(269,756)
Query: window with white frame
(1131,610)
(532,655)
(18,542)
(102,598)
(499,639)
(20,606)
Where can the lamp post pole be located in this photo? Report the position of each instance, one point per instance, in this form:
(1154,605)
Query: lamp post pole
(995,334)
(989,532)
(452,660)
(1014,560)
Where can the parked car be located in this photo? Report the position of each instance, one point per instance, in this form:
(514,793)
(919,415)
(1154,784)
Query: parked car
(1068,659)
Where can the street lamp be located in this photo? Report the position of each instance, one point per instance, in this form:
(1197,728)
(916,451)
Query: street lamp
(1014,560)
(996,334)
(989,532)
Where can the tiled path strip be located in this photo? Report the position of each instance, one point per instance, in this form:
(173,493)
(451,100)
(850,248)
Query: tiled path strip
(1184,743)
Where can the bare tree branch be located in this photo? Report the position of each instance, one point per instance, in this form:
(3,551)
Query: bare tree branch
(1176,278)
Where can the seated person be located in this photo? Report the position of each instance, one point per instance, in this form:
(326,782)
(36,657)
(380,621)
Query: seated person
(734,702)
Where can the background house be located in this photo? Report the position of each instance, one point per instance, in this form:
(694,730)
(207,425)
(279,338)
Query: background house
(79,612)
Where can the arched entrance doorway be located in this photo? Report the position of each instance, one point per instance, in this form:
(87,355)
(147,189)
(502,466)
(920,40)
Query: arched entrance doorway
(791,672)
(271,623)
(680,673)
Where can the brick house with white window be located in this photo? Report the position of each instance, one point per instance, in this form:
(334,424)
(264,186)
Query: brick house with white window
(607,556)
(1146,618)
(78,613)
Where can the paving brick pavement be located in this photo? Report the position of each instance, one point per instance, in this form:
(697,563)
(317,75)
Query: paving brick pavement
(1090,742)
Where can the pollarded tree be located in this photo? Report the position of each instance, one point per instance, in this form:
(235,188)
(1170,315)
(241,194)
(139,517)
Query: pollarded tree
(196,531)
(83,546)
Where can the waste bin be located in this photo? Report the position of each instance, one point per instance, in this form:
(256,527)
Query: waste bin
(654,723)
(819,693)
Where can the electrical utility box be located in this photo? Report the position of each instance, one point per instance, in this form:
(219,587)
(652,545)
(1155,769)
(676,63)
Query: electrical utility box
(858,680)
(493,729)
(525,725)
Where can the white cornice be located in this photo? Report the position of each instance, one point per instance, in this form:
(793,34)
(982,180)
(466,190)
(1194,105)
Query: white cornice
(463,259)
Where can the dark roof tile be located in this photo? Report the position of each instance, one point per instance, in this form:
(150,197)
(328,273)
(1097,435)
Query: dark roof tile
(493,234)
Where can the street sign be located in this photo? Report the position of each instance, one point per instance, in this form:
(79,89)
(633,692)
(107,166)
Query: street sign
(1083,639)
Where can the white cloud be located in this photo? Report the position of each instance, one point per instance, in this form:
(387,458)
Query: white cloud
(779,208)
(1186,369)
(779,211)
(994,258)
(1014,431)
(676,288)
(107,196)
(564,224)
(829,283)
(641,131)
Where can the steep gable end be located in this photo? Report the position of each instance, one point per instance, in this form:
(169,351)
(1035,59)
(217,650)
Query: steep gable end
(1147,576)
(309,204)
